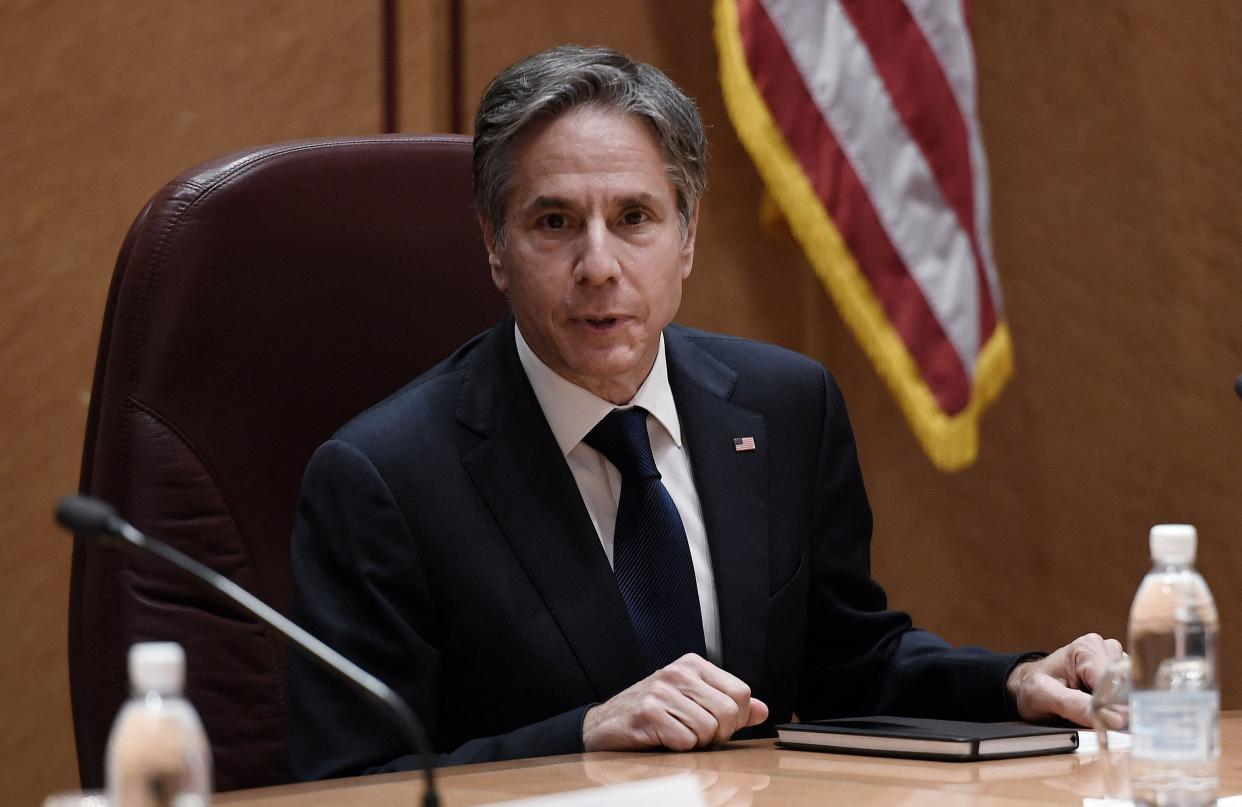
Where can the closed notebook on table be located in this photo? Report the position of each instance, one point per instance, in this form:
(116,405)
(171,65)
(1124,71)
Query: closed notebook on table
(922,738)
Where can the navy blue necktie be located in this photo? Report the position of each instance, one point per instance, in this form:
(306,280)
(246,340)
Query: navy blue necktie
(650,554)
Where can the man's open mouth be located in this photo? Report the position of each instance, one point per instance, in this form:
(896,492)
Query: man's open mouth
(600,322)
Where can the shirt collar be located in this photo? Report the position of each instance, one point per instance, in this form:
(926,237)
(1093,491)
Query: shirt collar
(572,411)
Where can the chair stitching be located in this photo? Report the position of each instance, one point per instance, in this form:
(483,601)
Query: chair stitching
(155,415)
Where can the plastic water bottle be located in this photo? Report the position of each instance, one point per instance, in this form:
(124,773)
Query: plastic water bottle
(158,754)
(1174,697)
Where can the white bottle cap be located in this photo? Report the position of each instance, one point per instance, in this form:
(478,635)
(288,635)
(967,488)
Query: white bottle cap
(1173,543)
(157,667)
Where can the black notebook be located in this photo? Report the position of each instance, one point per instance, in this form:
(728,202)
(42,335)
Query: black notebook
(921,738)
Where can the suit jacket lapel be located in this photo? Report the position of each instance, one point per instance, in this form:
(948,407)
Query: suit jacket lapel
(526,483)
(732,489)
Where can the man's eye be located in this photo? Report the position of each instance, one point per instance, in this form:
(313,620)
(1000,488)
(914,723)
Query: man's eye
(634,217)
(553,221)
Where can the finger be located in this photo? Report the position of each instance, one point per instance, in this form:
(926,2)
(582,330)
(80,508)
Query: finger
(737,689)
(723,709)
(721,679)
(707,684)
(673,734)
(665,716)
(1115,717)
(700,722)
(757,714)
(728,716)
(1092,667)
(689,700)
(1062,701)
(1109,648)
(692,676)
(656,712)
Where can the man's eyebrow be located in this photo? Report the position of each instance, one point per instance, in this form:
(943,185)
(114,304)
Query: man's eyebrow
(639,199)
(636,199)
(548,203)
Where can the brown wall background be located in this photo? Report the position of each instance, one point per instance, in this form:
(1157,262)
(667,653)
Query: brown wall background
(1111,128)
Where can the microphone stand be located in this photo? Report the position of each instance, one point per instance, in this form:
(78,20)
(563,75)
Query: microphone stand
(90,516)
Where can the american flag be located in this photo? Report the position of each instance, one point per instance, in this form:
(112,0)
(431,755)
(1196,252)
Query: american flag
(861,118)
(743,444)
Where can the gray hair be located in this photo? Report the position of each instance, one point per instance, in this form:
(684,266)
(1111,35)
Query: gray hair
(551,83)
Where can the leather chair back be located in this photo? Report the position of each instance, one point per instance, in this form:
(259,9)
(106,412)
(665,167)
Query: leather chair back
(259,301)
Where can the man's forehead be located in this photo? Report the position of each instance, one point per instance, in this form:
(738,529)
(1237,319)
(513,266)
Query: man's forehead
(590,152)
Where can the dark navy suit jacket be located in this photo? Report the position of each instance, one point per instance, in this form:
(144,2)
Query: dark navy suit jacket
(442,544)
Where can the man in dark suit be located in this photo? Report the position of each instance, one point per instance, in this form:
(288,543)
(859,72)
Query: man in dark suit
(592,529)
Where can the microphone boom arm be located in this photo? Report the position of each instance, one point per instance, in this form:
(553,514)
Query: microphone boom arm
(368,685)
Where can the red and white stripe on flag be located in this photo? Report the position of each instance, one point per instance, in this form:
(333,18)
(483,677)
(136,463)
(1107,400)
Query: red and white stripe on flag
(860,116)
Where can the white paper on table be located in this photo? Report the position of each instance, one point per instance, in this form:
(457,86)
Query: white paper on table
(1089,743)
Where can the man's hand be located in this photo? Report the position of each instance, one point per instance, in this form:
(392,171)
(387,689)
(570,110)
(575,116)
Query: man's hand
(689,704)
(1057,685)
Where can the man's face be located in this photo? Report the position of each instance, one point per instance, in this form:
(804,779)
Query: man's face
(595,257)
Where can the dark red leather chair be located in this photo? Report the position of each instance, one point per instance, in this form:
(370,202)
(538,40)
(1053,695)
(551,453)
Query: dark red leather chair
(259,301)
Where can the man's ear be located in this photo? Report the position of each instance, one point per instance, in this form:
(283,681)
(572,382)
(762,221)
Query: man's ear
(499,278)
(687,243)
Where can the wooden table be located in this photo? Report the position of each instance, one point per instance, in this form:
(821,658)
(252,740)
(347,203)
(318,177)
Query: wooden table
(750,773)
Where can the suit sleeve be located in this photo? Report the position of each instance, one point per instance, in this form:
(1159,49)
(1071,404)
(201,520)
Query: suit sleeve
(358,585)
(861,657)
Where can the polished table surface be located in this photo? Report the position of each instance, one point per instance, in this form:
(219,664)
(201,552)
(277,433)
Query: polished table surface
(750,773)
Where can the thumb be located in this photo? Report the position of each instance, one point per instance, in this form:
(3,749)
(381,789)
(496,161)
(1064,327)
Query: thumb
(1071,704)
(758,712)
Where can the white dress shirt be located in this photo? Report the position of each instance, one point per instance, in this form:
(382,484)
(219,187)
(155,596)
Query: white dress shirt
(572,412)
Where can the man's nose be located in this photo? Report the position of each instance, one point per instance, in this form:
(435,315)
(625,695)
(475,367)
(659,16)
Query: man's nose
(597,260)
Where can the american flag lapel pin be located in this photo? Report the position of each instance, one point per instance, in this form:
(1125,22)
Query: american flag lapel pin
(743,444)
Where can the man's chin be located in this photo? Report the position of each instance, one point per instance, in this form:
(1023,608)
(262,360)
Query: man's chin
(613,370)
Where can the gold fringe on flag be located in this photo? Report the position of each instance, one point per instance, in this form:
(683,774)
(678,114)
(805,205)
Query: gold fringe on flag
(950,441)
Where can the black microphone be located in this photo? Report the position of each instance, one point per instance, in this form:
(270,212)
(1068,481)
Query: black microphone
(86,515)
